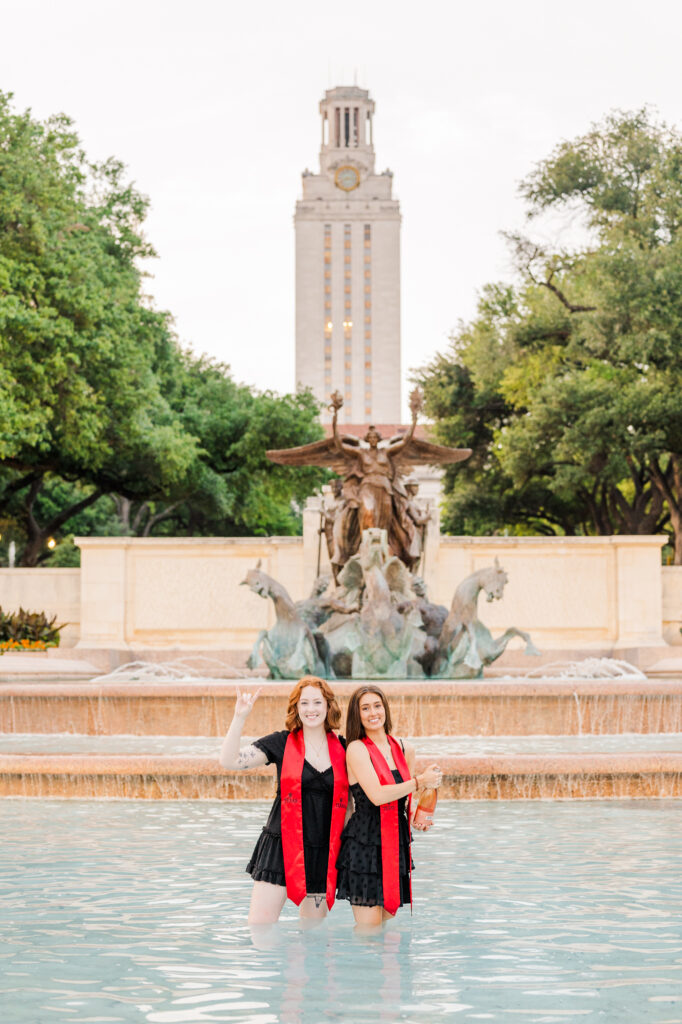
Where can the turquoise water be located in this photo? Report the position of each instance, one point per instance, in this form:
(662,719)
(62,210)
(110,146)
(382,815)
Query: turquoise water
(209,746)
(524,912)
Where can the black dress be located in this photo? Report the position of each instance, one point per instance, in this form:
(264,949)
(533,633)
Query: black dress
(317,791)
(359,865)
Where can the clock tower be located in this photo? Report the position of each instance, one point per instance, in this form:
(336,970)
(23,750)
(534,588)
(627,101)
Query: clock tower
(348,268)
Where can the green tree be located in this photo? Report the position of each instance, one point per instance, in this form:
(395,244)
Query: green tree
(233,489)
(591,362)
(79,397)
(96,397)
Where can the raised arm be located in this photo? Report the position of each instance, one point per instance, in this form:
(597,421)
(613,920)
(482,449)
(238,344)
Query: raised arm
(416,401)
(361,770)
(335,405)
(232,755)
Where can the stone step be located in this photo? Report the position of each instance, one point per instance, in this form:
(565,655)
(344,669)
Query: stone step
(501,777)
(484,707)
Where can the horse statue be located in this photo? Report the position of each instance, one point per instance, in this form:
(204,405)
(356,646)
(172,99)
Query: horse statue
(289,648)
(465,645)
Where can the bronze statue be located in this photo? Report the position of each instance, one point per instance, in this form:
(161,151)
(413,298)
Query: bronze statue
(374,496)
(465,645)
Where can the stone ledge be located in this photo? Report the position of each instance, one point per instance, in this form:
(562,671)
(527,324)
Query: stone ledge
(488,708)
(508,777)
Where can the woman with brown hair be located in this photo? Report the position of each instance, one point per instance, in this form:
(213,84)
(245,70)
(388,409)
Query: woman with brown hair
(296,853)
(374,864)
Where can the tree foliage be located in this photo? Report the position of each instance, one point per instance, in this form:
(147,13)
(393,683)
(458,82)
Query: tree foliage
(572,377)
(96,397)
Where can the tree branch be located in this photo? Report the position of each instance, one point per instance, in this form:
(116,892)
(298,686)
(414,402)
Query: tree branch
(73,510)
(562,298)
(153,520)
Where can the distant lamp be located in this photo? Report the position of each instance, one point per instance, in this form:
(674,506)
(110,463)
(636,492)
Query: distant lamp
(52,543)
(329,325)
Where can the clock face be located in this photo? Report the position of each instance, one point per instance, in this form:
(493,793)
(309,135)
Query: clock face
(347,178)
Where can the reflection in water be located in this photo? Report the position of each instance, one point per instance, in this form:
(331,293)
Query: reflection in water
(530,913)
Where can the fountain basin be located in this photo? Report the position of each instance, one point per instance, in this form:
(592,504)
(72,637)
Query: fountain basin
(519,707)
(497,777)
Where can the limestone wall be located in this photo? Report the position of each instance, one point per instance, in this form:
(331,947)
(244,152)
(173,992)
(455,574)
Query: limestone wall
(155,592)
(53,591)
(566,591)
(147,592)
(672,604)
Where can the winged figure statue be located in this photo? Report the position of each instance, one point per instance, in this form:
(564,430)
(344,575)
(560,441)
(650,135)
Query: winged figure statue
(374,495)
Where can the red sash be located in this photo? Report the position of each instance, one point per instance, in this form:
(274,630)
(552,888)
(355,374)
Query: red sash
(292,814)
(390,834)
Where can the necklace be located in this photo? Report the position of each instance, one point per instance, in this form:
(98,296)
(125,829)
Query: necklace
(317,751)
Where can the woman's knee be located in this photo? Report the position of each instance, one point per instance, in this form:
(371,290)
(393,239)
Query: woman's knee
(368,915)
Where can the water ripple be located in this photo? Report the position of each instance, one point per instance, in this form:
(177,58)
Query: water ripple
(537,913)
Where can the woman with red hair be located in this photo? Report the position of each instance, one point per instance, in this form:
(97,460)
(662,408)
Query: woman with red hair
(296,853)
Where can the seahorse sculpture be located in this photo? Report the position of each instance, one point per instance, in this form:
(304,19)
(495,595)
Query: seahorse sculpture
(465,645)
(288,649)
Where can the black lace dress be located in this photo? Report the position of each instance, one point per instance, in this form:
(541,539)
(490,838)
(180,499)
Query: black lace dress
(359,865)
(317,791)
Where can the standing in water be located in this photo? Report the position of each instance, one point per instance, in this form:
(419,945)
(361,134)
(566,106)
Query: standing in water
(374,865)
(296,853)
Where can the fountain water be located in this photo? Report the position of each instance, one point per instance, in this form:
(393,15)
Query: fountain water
(559,711)
(197,668)
(586,668)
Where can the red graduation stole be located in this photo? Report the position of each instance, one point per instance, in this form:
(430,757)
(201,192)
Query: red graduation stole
(292,814)
(390,835)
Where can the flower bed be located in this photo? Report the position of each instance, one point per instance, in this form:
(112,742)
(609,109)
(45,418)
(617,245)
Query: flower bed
(27,631)
(25,645)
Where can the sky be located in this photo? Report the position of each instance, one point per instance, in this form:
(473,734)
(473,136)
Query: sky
(213,107)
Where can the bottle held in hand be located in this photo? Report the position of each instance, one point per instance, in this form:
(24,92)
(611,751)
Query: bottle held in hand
(426,807)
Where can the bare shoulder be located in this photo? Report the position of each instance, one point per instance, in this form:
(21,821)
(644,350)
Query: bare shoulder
(356,748)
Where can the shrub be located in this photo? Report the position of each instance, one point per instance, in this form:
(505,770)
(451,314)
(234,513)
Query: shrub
(28,630)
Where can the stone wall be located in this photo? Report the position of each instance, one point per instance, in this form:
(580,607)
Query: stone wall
(569,593)
(672,604)
(53,591)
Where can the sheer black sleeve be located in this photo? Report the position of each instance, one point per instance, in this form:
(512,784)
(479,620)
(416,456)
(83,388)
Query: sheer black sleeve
(273,745)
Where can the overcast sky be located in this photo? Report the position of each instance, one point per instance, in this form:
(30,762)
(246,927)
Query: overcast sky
(213,108)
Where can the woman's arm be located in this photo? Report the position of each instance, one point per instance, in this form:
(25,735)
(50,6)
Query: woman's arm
(362,769)
(231,756)
(411,759)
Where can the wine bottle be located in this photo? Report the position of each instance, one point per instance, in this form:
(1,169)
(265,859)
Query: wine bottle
(426,807)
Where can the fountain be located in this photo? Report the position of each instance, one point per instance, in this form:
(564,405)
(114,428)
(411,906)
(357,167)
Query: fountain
(373,620)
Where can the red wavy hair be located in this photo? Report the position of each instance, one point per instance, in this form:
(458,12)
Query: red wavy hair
(333,719)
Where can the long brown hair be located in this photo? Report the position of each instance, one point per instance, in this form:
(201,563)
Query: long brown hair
(355,730)
(333,719)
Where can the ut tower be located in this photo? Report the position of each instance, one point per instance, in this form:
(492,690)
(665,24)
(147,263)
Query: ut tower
(348,268)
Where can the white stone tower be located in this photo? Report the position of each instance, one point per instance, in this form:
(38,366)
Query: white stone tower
(348,268)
